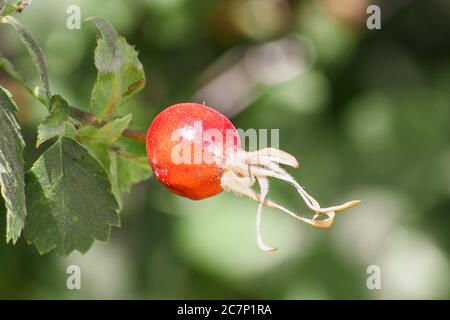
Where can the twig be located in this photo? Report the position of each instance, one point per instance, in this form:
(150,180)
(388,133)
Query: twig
(123,154)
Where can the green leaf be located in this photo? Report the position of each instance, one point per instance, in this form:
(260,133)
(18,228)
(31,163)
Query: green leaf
(69,200)
(35,91)
(56,122)
(108,134)
(124,170)
(127,167)
(105,156)
(12,70)
(134,167)
(11,167)
(120,73)
(125,163)
(131,171)
(34,50)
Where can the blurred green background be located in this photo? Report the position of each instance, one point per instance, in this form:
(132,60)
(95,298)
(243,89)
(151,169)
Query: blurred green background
(367,112)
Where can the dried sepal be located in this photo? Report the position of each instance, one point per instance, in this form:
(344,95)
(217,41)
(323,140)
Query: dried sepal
(241,171)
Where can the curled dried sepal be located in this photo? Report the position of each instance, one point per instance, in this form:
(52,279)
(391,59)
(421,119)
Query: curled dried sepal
(264,189)
(241,171)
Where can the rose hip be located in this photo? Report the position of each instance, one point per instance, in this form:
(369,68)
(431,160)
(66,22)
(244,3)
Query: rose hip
(195,152)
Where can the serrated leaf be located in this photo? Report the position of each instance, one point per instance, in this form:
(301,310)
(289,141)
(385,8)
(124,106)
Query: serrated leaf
(56,122)
(120,73)
(11,167)
(69,200)
(35,52)
(108,134)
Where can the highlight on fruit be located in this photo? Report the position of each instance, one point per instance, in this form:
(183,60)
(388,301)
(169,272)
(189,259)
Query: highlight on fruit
(196,152)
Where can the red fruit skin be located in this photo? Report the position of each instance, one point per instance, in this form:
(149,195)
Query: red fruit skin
(191,180)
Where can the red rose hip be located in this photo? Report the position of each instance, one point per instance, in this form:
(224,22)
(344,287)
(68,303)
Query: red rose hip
(195,152)
(182,128)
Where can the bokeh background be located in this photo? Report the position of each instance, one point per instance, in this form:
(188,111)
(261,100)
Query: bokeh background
(367,112)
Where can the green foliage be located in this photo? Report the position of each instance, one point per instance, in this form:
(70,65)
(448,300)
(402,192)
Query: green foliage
(120,73)
(11,167)
(69,200)
(72,192)
(133,168)
(124,165)
(34,50)
(108,134)
(16,74)
(369,119)
(55,123)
